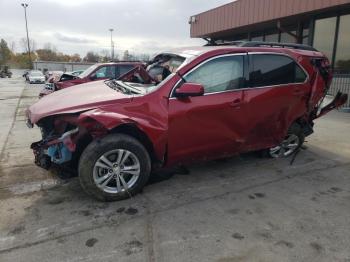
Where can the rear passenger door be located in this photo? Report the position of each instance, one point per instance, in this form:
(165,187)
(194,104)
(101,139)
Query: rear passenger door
(276,96)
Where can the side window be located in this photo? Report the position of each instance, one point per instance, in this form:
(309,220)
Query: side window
(105,72)
(219,74)
(300,76)
(124,69)
(270,70)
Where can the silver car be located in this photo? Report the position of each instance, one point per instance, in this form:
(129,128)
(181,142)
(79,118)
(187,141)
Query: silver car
(36,77)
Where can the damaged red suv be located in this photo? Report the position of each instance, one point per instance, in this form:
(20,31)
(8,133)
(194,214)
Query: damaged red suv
(197,104)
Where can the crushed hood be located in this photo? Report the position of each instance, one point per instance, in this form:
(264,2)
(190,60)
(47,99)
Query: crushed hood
(76,99)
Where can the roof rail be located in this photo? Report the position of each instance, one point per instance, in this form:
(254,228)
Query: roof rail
(261,44)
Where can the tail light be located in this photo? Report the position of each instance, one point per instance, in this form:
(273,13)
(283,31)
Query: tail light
(324,67)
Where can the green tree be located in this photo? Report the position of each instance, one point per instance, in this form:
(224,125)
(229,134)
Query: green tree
(21,60)
(5,52)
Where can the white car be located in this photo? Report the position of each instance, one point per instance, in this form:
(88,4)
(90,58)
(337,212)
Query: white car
(36,77)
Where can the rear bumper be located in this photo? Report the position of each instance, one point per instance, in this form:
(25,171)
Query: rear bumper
(339,100)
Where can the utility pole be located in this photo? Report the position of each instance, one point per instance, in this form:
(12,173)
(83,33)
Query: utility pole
(112,44)
(25,5)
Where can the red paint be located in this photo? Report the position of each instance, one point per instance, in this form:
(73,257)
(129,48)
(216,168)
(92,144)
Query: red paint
(185,129)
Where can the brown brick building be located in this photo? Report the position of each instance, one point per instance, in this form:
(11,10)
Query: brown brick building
(324,24)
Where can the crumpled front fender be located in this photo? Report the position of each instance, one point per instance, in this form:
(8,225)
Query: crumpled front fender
(108,120)
(104,121)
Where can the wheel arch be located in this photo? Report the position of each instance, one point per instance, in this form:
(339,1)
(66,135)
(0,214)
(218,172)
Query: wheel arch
(99,124)
(134,131)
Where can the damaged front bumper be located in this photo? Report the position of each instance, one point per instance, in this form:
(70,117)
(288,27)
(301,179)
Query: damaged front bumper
(54,150)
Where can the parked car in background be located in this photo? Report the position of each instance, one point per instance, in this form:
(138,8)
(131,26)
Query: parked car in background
(95,72)
(35,77)
(200,103)
(5,72)
(67,76)
(50,76)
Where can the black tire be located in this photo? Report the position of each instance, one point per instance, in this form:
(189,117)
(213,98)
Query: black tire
(294,129)
(99,147)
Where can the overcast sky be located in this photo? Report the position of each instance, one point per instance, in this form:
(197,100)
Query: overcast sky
(78,26)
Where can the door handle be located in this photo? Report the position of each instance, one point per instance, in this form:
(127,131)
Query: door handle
(236,103)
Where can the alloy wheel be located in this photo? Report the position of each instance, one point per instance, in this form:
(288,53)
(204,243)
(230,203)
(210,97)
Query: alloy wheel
(116,171)
(286,148)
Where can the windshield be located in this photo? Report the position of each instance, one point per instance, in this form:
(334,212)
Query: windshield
(36,74)
(141,80)
(88,71)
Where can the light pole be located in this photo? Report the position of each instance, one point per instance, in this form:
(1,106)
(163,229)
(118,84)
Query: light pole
(25,5)
(112,44)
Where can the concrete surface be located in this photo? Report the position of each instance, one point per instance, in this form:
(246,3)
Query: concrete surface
(240,209)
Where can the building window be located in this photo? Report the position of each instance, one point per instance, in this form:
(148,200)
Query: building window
(257,37)
(342,58)
(271,36)
(287,38)
(306,33)
(324,35)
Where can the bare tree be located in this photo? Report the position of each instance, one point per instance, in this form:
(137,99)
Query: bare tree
(105,55)
(49,46)
(91,57)
(24,44)
(13,46)
(126,55)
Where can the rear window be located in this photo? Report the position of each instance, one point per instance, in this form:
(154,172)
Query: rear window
(124,69)
(271,70)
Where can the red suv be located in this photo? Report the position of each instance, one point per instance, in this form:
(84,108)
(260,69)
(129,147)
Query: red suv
(93,73)
(210,102)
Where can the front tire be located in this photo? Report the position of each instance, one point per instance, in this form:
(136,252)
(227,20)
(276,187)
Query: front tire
(115,167)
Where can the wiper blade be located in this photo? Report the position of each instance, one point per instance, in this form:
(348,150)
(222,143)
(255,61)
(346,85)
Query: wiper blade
(130,88)
(112,84)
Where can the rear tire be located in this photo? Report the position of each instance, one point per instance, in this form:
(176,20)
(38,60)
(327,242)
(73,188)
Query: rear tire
(292,143)
(104,158)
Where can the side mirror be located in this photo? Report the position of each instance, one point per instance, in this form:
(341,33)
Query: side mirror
(189,89)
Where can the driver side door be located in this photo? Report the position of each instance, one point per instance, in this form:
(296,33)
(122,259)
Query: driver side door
(209,126)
